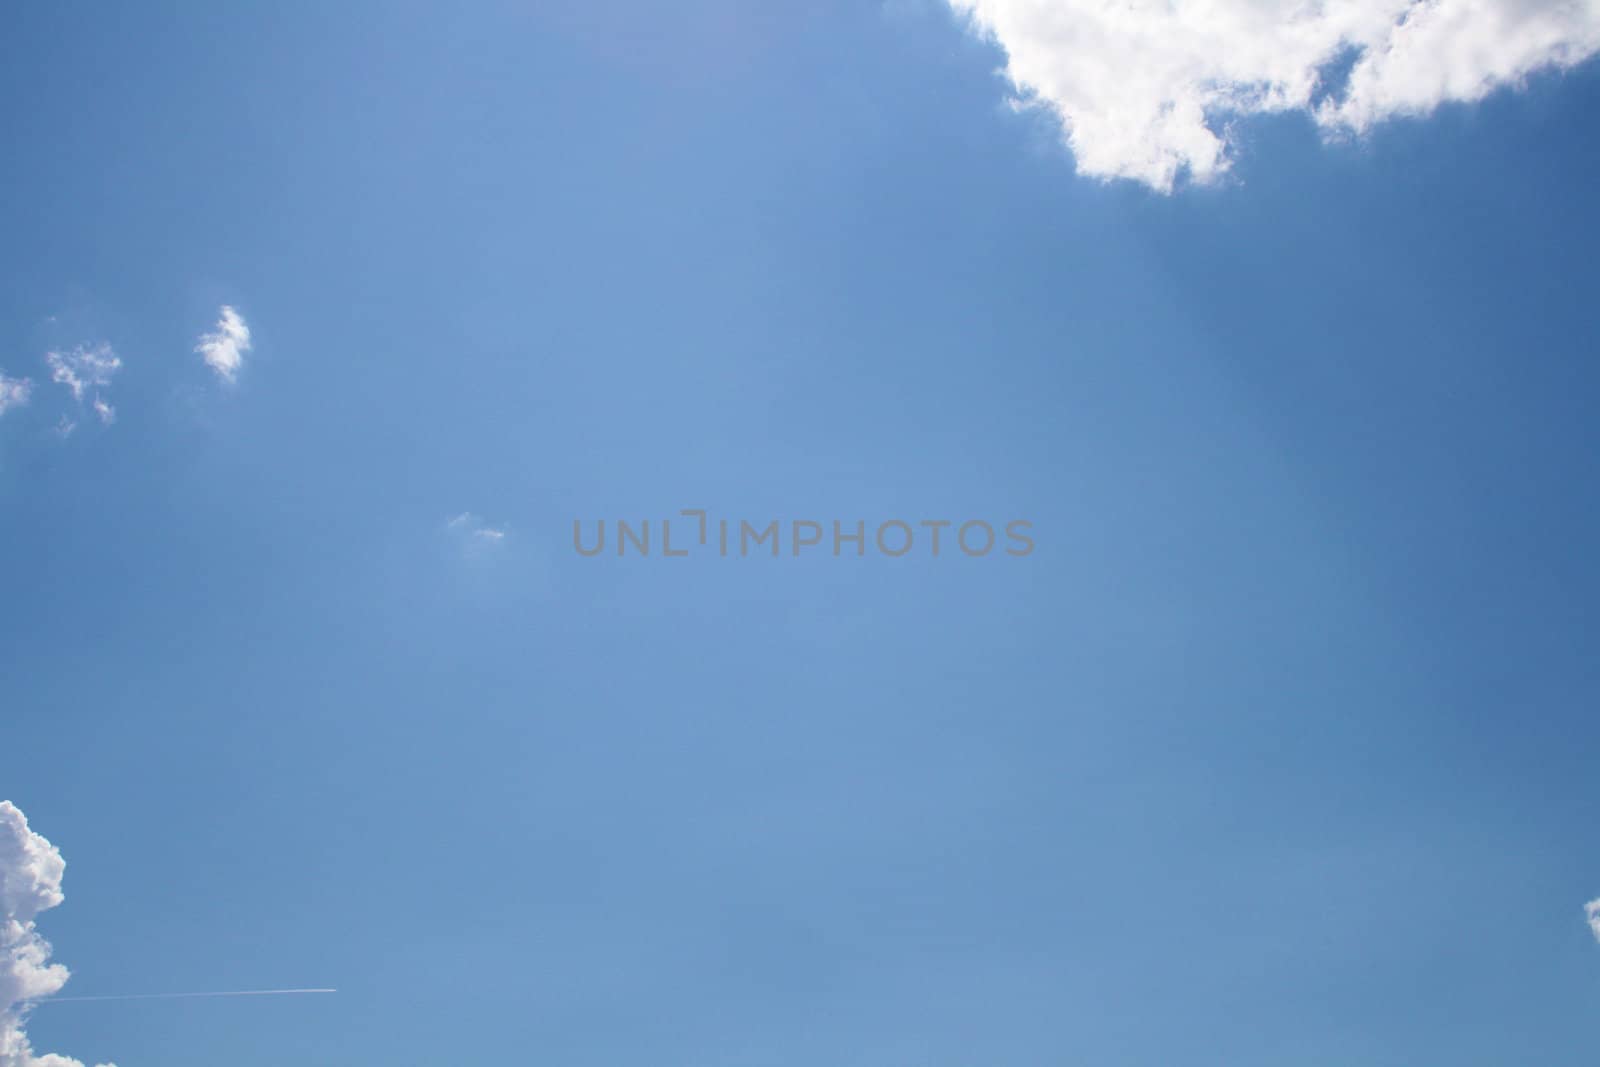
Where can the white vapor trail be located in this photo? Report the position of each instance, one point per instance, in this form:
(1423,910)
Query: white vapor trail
(189,996)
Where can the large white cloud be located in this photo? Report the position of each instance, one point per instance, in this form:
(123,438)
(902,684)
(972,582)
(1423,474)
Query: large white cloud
(30,882)
(1145,89)
(1591,911)
(223,349)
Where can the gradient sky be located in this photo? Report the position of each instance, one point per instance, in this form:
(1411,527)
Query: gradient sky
(1279,751)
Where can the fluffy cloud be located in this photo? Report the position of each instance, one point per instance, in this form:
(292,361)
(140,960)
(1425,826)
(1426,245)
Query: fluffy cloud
(223,349)
(14,392)
(84,368)
(1591,911)
(30,882)
(1144,89)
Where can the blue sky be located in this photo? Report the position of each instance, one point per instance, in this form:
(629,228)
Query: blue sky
(1278,750)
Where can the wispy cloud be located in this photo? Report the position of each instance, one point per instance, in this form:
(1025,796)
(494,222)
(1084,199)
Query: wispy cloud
(14,392)
(30,883)
(1591,911)
(1145,89)
(476,534)
(224,348)
(83,368)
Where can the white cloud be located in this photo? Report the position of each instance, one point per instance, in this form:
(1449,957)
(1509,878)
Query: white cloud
(14,392)
(224,349)
(1144,89)
(1591,911)
(30,883)
(475,533)
(83,368)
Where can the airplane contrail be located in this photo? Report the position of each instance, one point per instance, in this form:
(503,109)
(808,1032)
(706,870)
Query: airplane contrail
(187,996)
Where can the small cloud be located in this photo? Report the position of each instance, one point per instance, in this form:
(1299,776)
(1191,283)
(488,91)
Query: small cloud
(223,349)
(105,411)
(14,392)
(1591,912)
(475,533)
(65,426)
(83,368)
